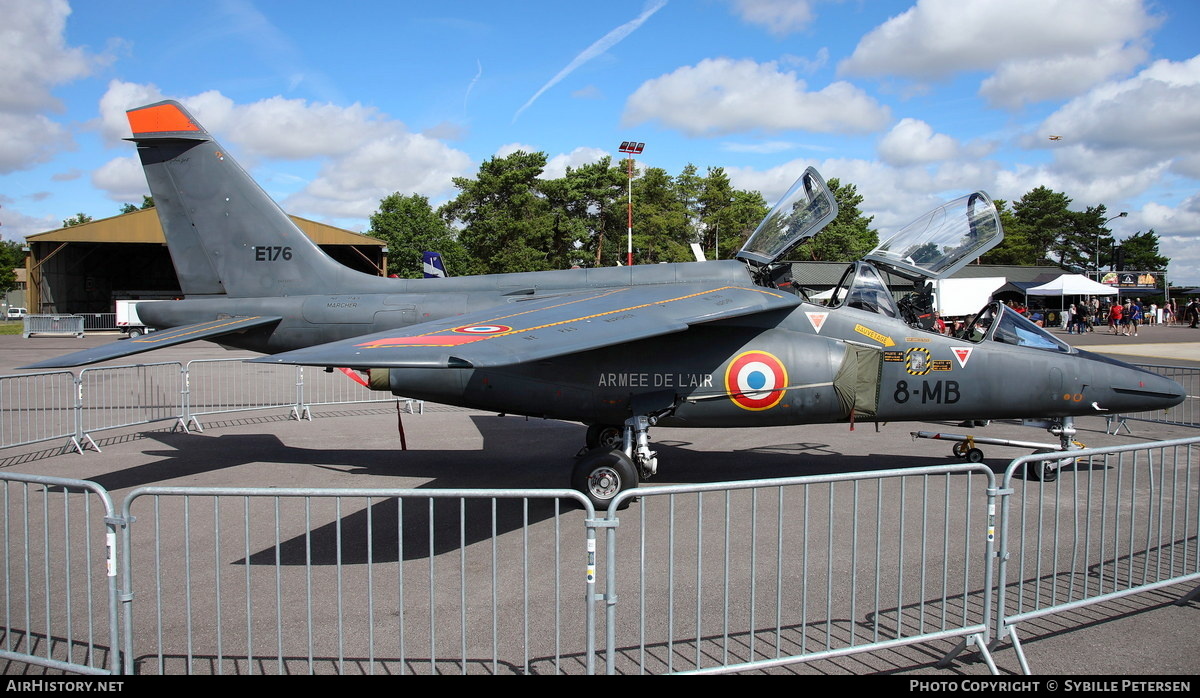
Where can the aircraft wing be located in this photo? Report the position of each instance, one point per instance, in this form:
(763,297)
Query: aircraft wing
(538,329)
(156,340)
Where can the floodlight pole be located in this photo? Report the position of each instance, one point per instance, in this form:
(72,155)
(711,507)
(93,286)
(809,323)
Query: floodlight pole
(631,148)
(1122,214)
(629,216)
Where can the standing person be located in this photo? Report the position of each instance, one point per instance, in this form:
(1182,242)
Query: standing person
(1135,315)
(1193,313)
(1114,317)
(1072,319)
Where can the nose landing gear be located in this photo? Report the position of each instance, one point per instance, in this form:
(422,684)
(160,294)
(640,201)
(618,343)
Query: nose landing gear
(616,459)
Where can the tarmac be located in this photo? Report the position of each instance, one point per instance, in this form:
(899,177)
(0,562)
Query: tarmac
(358,446)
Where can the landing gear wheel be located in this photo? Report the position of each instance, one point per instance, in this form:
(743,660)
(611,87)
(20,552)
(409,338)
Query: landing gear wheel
(602,474)
(959,450)
(1045,470)
(605,436)
(974,455)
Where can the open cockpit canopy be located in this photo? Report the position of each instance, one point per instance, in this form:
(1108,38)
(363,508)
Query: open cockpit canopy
(944,240)
(807,207)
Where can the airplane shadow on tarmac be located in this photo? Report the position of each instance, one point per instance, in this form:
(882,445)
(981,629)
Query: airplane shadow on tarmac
(504,462)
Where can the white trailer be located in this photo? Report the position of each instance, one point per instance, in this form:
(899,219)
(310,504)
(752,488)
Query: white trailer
(127,318)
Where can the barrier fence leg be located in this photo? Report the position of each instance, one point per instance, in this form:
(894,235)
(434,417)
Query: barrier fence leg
(1016,643)
(300,410)
(80,441)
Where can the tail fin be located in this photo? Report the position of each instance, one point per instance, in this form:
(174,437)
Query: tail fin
(431,264)
(225,235)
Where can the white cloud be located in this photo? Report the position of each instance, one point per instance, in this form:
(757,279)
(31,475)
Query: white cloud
(722,96)
(34,55)
(1017,83)
(365,155)
(913,141)
(29,140)
(352,186)
(293,129)
(780,17)
(122,179)
(1040,48)
(1155,110)
(557,166)
(34,58)
(17,226)
(510,148)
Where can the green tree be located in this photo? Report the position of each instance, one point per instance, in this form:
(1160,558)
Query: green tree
(504,221)
(589,209)
(1141,252)
(1015,248)
(848,238)
(147,202)
(410,226)
(12,256)
(661,230)
(1087,236)
(1047,224)
(77,219)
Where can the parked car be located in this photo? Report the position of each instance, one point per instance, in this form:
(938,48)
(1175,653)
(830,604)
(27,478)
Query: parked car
(17,313)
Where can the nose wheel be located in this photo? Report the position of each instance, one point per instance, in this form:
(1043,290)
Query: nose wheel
(601,474)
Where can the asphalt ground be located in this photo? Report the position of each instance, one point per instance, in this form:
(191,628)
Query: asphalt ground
(358,446)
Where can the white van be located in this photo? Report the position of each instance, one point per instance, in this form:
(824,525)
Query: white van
(17,313)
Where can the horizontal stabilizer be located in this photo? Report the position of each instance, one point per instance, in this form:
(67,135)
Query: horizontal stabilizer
(535,329)
(155,340)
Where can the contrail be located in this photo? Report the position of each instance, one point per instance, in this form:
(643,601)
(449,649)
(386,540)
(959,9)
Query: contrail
(470,87)
(606,42)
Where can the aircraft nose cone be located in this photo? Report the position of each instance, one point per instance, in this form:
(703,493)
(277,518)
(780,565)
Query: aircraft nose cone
(1136,390)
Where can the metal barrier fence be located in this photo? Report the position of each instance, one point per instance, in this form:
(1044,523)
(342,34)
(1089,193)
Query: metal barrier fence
(93,322)
(318,387)
(53,324)
(828,566)
(223,386)
(212,383)
(1185,414)
(60,591)
(38,407)
(1118,521)
(720,577)
(125,396)
(401,581)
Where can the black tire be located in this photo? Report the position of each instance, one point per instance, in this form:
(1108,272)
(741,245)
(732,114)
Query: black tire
(1043,470)
(606,436)
(135,333)
(974,455)
(602,474)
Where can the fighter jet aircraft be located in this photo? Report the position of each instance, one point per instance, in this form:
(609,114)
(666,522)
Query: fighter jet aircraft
(728,343)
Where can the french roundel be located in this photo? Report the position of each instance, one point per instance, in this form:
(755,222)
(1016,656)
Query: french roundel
(756,380)
(483,329)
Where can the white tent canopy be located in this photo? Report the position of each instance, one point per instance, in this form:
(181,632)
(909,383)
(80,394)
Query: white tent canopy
(1072,285)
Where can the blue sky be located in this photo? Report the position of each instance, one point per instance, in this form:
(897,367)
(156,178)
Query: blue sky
(334,106)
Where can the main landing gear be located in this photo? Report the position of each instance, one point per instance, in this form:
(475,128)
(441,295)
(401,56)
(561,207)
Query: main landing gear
(615,460)
(965,447)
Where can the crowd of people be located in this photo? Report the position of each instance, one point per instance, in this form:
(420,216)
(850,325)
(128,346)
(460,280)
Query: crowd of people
(1124,318)
(1115,317)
